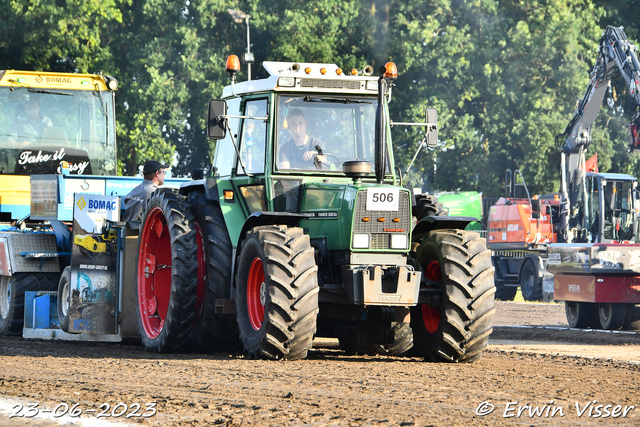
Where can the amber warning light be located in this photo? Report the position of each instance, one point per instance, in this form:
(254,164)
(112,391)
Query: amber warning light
(233,64)
(391,71)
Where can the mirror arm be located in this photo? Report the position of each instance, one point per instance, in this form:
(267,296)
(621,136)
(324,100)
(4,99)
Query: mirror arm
(226,122)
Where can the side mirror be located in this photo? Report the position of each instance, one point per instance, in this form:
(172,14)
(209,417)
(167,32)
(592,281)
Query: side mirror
(216,125)
(432,127)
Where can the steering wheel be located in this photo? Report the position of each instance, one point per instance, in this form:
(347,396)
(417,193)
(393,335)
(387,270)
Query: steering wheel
(326,155)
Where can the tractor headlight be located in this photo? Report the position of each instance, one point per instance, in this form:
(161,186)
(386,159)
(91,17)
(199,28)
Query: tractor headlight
(286,81)
(361,241)
(398,241)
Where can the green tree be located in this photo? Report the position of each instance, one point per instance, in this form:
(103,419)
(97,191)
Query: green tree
(327,31)
(621,13)
(174,63)
(504,77)
(69,35)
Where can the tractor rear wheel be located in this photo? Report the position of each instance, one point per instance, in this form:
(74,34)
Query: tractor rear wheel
(12,289)
(167,271)
(612,316)
(581,314)
(277,293)
(427,205)
(64,298)
(214,331)
(459,263)
(530,282)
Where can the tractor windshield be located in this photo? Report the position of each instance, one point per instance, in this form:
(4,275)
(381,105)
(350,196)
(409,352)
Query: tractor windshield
(320,133)
(39,128)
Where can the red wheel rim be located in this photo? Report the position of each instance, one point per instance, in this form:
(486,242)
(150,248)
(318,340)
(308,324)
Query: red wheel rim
(202,270)
(255,293)
(431,315)
(430,318)
(154,273)
(433,272)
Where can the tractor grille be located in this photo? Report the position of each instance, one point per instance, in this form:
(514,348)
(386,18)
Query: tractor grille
(330,84)
(379,238)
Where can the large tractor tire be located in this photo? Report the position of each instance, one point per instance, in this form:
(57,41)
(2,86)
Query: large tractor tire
(12,289)
(214,332)
(167,273)
(427,205)
(64,299)
(530,281)
(612,316)
(277,293)
(582,314)
(459,263)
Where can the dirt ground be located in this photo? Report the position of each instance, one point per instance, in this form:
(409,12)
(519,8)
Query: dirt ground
(546,376)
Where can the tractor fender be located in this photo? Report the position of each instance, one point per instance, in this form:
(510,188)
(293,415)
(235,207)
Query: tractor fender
(209,186)
(431,223)
(269,218)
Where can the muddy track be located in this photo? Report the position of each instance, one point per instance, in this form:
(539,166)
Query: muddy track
(329,388)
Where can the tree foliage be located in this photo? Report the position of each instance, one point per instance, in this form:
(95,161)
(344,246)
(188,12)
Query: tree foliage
(504,75)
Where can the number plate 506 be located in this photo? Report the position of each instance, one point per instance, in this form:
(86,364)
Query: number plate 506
(383,199)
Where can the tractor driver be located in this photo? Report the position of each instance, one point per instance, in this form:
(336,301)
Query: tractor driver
(136,201)
(301,151)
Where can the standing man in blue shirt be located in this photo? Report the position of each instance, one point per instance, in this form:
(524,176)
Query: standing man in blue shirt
(136,201)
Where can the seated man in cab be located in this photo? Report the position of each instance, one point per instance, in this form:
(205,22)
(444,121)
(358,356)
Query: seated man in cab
(301,151)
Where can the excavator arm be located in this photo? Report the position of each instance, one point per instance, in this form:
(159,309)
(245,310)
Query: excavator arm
(617,57)
(617,53)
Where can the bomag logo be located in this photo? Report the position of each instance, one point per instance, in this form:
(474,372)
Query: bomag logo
(82,203)
(57,80)
(512,227)
(102,204)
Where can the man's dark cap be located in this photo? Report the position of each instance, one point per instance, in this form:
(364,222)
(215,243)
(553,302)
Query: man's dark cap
(150,166)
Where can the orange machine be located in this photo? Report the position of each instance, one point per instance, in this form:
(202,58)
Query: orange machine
(523,223)
(520,228)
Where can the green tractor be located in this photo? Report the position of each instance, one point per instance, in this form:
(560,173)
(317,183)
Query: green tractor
(304,230)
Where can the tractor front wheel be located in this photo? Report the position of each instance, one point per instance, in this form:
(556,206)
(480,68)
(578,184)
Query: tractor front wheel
(277,293)
(167,272)
(458,266)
